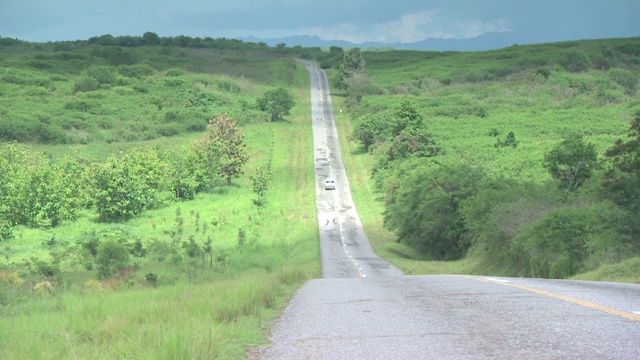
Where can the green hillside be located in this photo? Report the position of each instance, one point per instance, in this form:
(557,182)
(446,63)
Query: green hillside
(131,225)
(461,148)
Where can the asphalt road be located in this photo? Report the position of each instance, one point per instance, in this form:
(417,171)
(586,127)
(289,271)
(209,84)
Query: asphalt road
(364,308)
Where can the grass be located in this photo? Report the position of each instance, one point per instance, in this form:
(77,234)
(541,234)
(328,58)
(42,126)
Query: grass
(224,312)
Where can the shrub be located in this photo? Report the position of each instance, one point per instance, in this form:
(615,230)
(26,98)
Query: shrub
(103,74)
(576,61)
(175,72)
(625,78)
(509,141)
(425,211)
(85,83)
(124,187)
(111,258)
(139,71)
(554,247)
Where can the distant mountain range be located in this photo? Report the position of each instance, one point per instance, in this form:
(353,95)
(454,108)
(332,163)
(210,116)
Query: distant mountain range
(488,41)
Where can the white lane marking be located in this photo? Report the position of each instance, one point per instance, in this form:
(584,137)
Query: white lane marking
(496,280)
(636,312)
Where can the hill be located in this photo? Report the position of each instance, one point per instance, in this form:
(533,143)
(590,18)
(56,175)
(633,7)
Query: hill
(472,156)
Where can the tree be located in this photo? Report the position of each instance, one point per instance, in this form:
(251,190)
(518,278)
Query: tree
(352,63)
(571,162)
(368,129)
(622,180)
(405,116)
(127,185)
(425,213)
(150,38)
(360,85)
(222,152)
(278,102)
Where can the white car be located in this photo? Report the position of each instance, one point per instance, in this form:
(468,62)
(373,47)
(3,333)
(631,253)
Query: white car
(329,184)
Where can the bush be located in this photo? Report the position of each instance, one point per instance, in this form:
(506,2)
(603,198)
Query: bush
(625,78)
(175,72)
(138,71)
(85,83)
(103,74)
(425,211)
(554,247)
(111,258)
(124,187)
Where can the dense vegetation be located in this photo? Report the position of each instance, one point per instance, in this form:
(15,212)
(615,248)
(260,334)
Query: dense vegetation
(134,177)
(522,160)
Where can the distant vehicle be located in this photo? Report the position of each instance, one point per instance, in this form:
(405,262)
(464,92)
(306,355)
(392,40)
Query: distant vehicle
(329,184)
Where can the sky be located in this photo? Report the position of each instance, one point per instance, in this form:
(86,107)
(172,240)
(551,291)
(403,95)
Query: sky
(357,21)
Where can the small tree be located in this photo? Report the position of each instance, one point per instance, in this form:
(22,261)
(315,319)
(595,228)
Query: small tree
(359,85)
(571,162)
(222,152)
(352,63)
(367,130)
(278,102)
(261,180)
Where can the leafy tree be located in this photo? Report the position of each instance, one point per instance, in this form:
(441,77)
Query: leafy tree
(622,179)
(125,186)
(571,162)
(150,38)
(368,130)
(352,63)
(278,102)
(406,116)
(407,138)
(498,213)
(186,174)
(222,152)
(554,247)
(425,213)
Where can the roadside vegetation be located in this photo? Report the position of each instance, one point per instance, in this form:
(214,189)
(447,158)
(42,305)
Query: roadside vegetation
(521,161)
(156,199)
(157,196)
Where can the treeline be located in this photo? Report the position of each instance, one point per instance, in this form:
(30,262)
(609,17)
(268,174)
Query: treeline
(446,210)
(151,39)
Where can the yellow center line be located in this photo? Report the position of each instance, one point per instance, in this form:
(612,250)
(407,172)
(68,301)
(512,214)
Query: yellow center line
(570,299)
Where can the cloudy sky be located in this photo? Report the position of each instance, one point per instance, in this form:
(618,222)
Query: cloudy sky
(352,20)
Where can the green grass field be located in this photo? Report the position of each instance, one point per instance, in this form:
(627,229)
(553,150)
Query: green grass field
(217,311)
